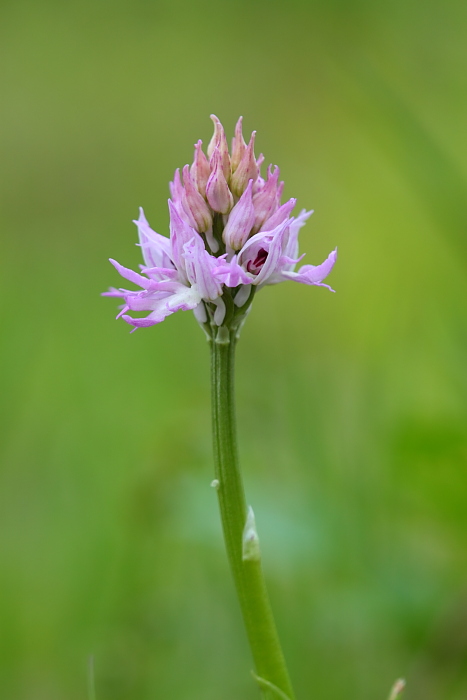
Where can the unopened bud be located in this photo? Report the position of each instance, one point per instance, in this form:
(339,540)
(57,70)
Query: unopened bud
(241,220)
(195,202)
(265,202)
(217,190)
(250,539)
(219,141)
(238,146)
(200,169)
(247,169)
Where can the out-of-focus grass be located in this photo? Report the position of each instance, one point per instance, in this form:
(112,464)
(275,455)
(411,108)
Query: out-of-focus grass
(352,407)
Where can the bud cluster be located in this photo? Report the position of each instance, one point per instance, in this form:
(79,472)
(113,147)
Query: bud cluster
(230,185)
(229,235)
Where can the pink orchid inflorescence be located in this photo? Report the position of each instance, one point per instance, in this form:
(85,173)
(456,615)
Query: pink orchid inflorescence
(229,236)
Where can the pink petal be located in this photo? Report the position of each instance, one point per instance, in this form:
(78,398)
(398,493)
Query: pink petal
(313,274)
(130,275)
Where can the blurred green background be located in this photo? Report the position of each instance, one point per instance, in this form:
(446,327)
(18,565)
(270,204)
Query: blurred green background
(352,407)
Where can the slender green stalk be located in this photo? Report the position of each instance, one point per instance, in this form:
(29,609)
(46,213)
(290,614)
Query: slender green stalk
(270,668)
(91,679)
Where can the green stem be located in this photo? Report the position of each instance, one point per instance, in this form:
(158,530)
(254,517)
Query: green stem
(248,574)
(91,679)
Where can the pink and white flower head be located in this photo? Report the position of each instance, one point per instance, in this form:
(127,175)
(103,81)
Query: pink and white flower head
(229,236)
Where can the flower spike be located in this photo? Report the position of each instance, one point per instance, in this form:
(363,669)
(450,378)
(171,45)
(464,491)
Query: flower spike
(229,236)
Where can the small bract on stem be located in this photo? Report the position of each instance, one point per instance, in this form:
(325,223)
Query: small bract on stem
(230,236)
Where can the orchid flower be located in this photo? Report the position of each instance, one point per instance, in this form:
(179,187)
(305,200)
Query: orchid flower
(229,232)
(230,236)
